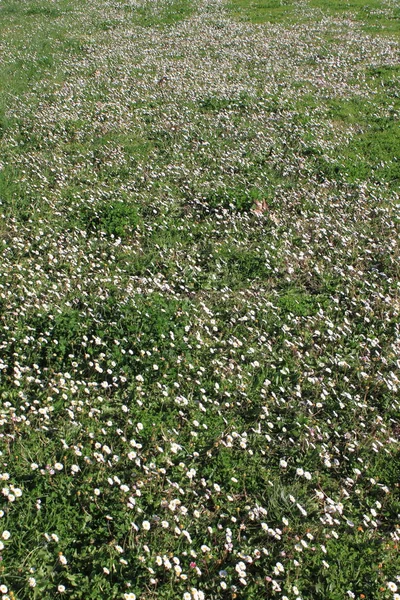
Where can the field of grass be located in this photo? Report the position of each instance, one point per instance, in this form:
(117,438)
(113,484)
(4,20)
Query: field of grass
(199,299)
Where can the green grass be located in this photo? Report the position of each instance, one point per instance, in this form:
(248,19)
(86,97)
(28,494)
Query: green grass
(377,17)
(170,13)
(199,300)
(268,11)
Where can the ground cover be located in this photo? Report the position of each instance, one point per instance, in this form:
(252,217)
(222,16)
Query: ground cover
(199,292)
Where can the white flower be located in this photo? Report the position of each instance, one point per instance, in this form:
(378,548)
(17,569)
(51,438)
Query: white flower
(58,466)
(3,589)
(392,586)
(130,596)
(32,582)
(146,525)
(6,535)
(283,463)
(62,559)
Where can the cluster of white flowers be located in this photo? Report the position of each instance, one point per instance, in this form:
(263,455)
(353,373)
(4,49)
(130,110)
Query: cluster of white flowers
(200,306)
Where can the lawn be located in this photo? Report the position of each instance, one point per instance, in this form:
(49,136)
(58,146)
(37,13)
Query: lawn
(199,299)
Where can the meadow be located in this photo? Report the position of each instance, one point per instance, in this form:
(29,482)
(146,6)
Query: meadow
(199,299)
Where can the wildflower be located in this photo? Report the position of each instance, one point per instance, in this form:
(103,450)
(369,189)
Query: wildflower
(240,567)
(146,525)
(392,586)
(6,535)
(280,568)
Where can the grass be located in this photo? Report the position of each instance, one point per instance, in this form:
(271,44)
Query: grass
(374,16)
(199,293)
